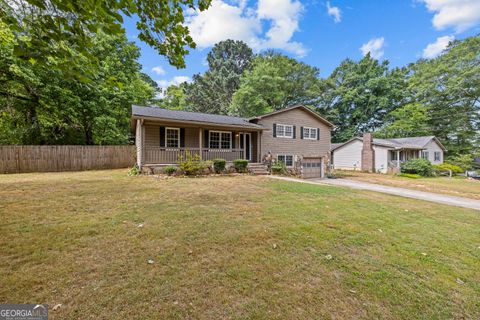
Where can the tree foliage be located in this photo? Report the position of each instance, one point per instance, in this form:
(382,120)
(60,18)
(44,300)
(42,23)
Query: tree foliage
(449,88)
(275,82)
(43,105)
(63,29)
(173,98)
(358,96)
(212,91)
(410,120)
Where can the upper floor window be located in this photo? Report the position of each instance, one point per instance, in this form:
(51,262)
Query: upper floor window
(172,137)
(437,156)
(220,140)
(284,131)
(310,133)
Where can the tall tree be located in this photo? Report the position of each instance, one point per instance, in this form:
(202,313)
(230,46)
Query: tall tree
(212,91)
(275,82)
(51,28)
(173,98)
(410,120)
(358,96)
(449,86)
(41,105)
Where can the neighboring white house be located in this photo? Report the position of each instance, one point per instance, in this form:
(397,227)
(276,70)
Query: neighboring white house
(388,153)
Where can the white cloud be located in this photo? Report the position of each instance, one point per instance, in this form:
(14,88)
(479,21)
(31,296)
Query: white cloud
(220,22)
(434,49)
(374,46)
(158,70)
(334,12)
(164,84)
(239,22)
(458,14)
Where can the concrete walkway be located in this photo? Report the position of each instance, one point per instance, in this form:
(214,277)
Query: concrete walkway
(402,192)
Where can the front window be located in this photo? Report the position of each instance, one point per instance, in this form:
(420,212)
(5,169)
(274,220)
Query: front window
(220,140)
(425,155)
(286,159)
(437,156)
(172,138)
(284,131)
(310,133)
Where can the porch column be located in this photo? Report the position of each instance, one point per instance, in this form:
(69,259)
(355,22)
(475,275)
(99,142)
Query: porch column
(139,142)
(200,142)
(259,145)
(245,146)
(398,158)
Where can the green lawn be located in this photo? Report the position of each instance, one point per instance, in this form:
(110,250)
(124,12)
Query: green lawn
(232,248)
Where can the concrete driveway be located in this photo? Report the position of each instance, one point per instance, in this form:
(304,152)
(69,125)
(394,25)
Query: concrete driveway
(402,192)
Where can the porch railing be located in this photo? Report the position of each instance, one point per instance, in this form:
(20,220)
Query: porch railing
(227,154)
(160,155)
(395,163)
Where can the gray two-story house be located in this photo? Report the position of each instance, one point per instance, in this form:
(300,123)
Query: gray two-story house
(297,136)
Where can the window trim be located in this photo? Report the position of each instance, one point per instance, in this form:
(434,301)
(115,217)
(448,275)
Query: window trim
(220,140)
(426,155)
(284,126)
(435,153)
(310,133)
(286,155)
(166,137)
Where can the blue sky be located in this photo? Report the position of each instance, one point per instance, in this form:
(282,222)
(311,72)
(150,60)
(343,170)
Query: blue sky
(321,33)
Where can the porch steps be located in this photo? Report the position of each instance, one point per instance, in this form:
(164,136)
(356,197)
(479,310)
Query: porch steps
(258,168)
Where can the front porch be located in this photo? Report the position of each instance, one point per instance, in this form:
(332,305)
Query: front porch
(162,155)
(161,143)
(397,157)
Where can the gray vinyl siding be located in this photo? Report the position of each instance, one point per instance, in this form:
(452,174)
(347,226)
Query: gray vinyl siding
(300,147)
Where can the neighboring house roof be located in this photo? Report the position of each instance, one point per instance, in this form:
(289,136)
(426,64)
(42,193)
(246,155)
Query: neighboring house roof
(308,110)
(397,143)
(334,146)
(177,115)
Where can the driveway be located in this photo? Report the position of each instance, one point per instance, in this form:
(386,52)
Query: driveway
(402,192)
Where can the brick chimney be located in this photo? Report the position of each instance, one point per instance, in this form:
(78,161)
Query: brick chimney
(368,154)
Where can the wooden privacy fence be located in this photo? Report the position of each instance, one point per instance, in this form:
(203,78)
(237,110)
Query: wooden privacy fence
(16,159)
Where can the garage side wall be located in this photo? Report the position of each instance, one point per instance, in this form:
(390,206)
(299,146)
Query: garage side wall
(349,156)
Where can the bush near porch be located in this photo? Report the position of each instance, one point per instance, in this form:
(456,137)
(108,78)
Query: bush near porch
(419,166)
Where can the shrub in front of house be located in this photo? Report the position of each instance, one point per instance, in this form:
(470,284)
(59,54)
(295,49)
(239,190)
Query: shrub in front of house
(279,168)
(422,167)
(219,165)
(438,168)
(191,165)
(240,165)
(134,171)
(464,161)
(169,170)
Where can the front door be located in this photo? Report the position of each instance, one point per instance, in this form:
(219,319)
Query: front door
(246,145)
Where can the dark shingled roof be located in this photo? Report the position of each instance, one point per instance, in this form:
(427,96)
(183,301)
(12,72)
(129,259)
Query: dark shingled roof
(160,113)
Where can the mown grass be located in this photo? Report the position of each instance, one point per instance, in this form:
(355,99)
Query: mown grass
(456,186)
(231,247)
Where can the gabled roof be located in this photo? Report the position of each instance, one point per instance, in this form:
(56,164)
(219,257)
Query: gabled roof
(177,115)
(397,143)
(308,110)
